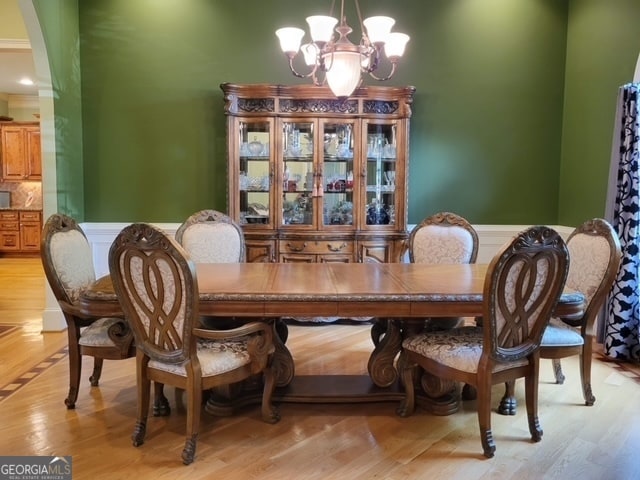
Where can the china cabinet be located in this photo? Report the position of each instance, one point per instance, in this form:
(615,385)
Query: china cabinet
(313,178)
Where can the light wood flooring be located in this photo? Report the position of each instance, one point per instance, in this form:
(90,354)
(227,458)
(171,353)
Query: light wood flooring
(316,441)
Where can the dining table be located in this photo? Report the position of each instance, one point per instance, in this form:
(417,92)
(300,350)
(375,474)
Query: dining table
(397,296)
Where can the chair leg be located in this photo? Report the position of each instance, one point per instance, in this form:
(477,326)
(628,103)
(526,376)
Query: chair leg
(557,371)
(484,416)
(97,371)
(508,403)
(144,393)
(531,397)
(270,413)
(75,364)
(585,372)
(408,403)
(161,407)
(194,402)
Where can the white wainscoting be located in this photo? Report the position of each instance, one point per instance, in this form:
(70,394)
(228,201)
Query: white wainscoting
(101,235)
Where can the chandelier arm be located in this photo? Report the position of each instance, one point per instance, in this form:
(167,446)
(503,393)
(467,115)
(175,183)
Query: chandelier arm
(311,74)
(383,79)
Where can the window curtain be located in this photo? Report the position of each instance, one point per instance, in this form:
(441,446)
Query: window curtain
(621,315)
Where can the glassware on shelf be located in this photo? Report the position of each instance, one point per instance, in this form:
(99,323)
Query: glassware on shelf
(378,213)
(244,181)
(255,147)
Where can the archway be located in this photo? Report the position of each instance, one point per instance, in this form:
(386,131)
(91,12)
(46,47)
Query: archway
(52,319)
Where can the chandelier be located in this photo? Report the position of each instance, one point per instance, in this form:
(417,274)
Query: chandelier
(339,62)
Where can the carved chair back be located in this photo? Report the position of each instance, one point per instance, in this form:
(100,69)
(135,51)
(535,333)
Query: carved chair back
(523,284)
(210,236)
(443,238)
(157,288)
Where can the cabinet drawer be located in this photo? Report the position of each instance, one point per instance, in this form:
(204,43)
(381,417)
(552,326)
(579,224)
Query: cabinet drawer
(8,225)
(316,247)
(9,215)
(29,216)
(9,241)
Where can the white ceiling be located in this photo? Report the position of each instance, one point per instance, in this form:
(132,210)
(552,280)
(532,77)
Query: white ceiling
(14,65)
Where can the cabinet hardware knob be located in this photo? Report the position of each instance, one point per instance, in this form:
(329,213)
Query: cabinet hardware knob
(297,248)
(336,249)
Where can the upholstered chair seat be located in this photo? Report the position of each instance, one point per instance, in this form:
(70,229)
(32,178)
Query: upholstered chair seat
(97,334)
(215,357)
(458,348)
(560,334)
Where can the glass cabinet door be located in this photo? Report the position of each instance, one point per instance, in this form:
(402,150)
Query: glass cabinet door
(337,173)
(380,174)
(255,174)
(298,175)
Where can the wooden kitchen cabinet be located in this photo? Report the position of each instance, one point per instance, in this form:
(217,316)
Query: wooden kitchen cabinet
(316,179)
(20,231)
(30,231)
(20,152)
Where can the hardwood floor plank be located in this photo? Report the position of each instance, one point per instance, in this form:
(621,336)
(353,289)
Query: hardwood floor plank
(312,441)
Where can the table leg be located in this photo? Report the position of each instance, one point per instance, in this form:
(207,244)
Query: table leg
(381,362)
(282,362)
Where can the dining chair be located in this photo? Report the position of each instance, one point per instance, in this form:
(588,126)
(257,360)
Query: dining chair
(522,286)
(156,285)
(595,255)
(210,236)
(68,266)
(443,237)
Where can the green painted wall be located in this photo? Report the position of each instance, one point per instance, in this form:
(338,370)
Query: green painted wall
(59,22)
(603,42)
(487,131)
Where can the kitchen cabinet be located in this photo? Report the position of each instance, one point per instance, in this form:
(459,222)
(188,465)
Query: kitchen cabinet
(313,178)
(20,152)
(20,231)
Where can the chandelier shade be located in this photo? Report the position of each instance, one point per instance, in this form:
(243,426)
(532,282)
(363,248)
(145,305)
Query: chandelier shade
(338,62)
(344,75)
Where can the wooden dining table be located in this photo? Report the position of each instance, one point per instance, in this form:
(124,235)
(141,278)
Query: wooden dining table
(398,296)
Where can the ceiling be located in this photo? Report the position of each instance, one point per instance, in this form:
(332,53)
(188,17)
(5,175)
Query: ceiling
(14,65)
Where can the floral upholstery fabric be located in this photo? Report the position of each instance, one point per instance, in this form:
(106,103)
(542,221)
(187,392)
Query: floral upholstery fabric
(439,244)
(146,306)
(215,357)
(559,334)
(73,261)
(459,348)
(511,296)
(589,260)
(96,334)
(212,243)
